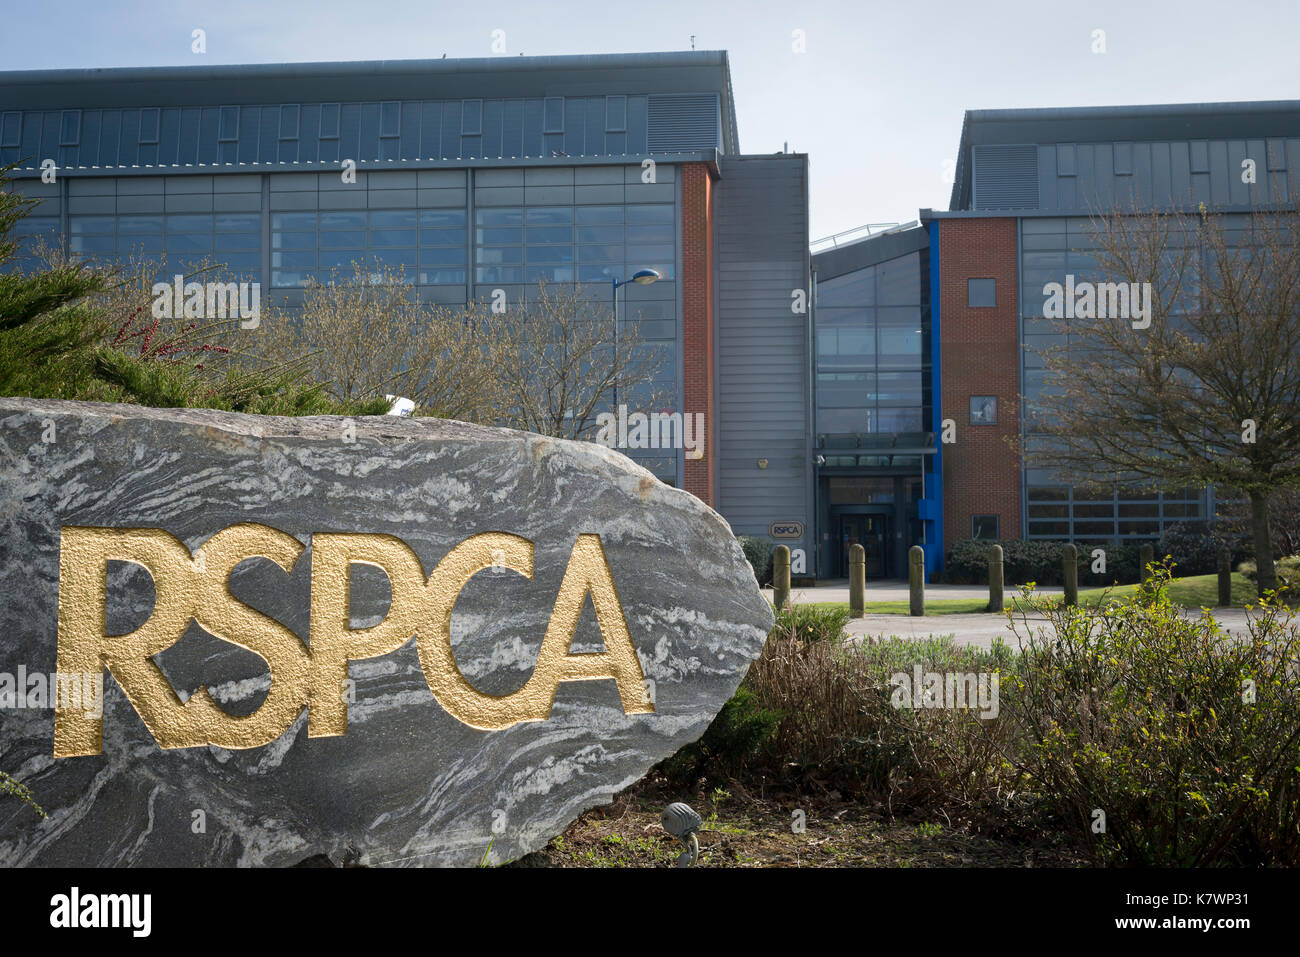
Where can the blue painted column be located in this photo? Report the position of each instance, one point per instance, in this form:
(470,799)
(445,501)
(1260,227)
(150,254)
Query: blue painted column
(930,508)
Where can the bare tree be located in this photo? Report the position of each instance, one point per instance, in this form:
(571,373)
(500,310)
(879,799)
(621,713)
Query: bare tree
(562,359)
(1193,379)
(546,365)
(370,337)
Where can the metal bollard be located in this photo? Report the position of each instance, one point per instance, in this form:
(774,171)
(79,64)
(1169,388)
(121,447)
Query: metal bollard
(1146,555)
(916,580)
(857,581)
(1225,579)
(996,600)
(1070,570)
(781,576)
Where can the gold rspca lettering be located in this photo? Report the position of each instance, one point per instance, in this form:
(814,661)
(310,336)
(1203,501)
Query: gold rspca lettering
(587,572)
(334,642)
(224,616)
(314,676)
(85,647)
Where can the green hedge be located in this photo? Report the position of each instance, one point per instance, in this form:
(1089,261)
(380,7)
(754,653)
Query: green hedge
(1025,560)
(758,552)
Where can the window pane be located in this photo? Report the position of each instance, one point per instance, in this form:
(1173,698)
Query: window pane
(440,276)
(549,215)
(1093,528)
(498,217)
(600,234)
(650,234)
(392,217)
(343,239)
(1049,511)
(189,223)
(342,220)
(442,217)
(229,123)
(289,122)
(329,121)
(340,258)
(601,273)
(649,215)
(70,129)
(283,240)
(395,258)
(550,254)
(230,222)
(442,237)
(600,254)
(149,126)
(188,242)
(390,118)
(139,245)
(651,254)
(451,256)
(554,115)
(93,244)
(615,113)
(499,274)
(242,262)
(1094,511)
(981,293)
(598,215)
(502,234)
(1139,528)
(91,225)
(500,254)
(1048,494)
(550,234)
(392,237)
(237,241)
(1049,529)
(293,221)
(139,224)
(293,260)
(549,273)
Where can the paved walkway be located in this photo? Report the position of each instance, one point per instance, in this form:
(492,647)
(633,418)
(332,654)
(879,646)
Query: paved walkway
(974,629)
(895,590)
(982,629)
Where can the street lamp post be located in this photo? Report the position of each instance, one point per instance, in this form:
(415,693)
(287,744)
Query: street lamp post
(642,277)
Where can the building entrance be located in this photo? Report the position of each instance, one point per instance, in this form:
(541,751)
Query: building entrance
(871,532)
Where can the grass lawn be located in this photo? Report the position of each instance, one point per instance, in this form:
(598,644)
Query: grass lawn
(1196,591)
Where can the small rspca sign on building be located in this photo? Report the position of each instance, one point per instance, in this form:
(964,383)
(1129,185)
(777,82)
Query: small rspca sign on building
(786,529)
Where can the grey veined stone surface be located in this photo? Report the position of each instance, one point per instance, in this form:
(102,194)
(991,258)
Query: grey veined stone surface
(408,784)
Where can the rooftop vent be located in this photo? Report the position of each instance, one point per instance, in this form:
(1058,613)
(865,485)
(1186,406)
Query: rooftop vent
(1006,177)
(684,122)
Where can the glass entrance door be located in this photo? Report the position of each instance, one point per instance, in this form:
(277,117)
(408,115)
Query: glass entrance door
(869,532)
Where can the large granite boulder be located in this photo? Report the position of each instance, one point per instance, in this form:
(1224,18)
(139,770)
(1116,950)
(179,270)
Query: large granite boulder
(341,637)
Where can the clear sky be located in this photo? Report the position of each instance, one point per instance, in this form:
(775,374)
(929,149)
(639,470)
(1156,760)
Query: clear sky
(875,97)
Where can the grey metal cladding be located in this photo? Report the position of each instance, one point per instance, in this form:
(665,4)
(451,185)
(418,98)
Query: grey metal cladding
(389,111)
(763,383)
(1184,153)
(1096,176)
(1006,177)
(684,122)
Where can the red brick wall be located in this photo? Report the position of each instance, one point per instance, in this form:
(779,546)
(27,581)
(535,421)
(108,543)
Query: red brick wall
(697,319)
(980,356)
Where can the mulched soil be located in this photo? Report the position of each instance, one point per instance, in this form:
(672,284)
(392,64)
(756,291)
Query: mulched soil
(747,829)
